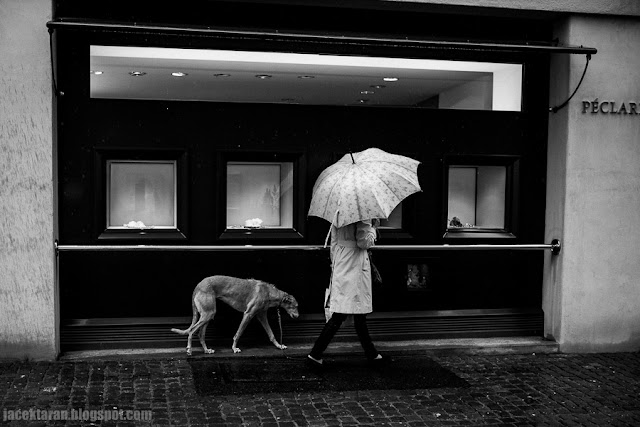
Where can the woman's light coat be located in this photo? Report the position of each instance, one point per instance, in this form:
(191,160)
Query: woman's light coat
(350,288)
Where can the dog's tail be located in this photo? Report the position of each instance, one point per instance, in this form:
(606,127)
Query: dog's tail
(193,320)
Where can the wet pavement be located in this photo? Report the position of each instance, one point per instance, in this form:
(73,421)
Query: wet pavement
(491,387)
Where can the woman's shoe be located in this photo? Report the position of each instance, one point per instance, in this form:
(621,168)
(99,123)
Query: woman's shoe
(316,365)
(380,360)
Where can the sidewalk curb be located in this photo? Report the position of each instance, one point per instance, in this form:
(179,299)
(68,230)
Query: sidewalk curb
(462,346)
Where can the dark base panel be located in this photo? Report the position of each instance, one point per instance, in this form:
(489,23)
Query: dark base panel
(128,333)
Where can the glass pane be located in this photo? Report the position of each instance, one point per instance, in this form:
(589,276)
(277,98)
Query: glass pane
(491,196)
(141,194)
(462,196)
(260,194)
(394,220)
(133,72)
(476,196)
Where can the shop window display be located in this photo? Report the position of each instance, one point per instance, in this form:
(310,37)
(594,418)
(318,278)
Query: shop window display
(481,196)
(141,194)
(477,197)
(259,195)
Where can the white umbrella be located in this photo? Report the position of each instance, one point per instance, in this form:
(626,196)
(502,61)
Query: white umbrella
(365,185)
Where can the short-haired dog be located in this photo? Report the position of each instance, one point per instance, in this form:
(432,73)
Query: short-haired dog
(249,296)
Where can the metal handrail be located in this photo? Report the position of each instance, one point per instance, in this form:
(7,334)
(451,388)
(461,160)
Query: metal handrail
(555,246)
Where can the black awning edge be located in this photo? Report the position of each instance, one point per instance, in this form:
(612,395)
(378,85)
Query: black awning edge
(432,44)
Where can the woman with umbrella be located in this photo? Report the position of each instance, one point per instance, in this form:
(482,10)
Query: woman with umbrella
(352,194)
(350,289)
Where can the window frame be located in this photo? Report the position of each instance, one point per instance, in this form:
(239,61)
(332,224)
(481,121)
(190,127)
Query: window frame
(512,185)
(103,156)
(263,235)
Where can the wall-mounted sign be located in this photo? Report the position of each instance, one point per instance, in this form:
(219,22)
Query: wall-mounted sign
(610,107)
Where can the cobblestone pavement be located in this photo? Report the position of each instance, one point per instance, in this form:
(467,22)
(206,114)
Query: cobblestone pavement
(515,389)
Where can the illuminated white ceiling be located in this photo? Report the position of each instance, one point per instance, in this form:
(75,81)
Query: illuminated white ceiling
(312,79)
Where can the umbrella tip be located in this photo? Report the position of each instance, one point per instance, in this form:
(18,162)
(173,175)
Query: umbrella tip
(352,159)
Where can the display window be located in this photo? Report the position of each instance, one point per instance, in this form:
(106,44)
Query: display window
(259,195)
(141,194)
(481,196)
(476,197)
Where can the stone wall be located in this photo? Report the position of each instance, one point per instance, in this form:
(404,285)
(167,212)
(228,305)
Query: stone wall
(27,271)
(592,289)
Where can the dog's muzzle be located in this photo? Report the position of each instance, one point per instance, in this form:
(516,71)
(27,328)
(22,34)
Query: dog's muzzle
(293,313)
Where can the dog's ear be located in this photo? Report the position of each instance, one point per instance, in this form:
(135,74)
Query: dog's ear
(287,298)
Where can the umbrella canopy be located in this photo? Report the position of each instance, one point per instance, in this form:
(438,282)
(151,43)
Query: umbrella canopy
(365,185)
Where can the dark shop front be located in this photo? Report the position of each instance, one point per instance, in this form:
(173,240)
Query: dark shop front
(189,141)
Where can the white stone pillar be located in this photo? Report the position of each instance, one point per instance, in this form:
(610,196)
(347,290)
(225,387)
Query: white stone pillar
(28,325)
(591,291)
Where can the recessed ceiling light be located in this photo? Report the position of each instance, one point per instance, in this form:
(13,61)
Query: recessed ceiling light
(377,86)
(263,76)
(179,74)
(390,79)
(306,77)
(96,73)
(137,73)
(363,101)
(367,92)
(222,75)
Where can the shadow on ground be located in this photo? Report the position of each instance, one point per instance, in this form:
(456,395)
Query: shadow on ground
(245,376)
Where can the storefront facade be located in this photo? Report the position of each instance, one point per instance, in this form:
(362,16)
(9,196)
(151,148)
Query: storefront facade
(514,168)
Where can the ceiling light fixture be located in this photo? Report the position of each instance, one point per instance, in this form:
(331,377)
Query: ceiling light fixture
(306,77)
(137,73)
(263,76)
(96,73)
(377,86)
(390,79)
(179,74)
(366,92)
(222,75)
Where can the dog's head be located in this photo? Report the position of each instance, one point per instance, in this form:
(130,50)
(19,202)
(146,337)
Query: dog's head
(290,305)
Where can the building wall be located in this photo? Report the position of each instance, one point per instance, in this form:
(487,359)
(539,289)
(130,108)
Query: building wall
(27,282)
(592,289)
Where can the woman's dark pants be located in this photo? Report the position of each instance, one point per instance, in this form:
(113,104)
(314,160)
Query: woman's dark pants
(332,326)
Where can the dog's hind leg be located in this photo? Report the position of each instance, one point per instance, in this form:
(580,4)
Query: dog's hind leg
(262,318)
(202,335)
(204,319)
(190,329)
(205,303)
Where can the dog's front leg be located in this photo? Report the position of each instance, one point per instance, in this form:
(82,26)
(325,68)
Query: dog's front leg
(248,315)
(262,317)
